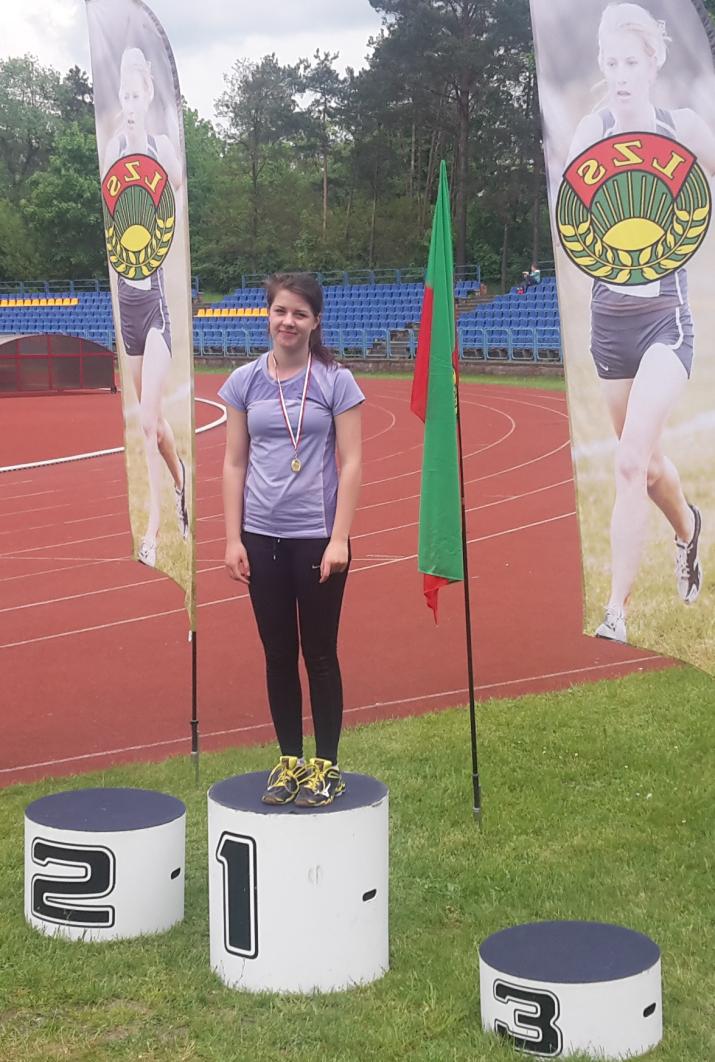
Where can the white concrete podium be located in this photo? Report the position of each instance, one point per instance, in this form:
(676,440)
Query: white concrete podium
(559,988)
(104,864)
(298,897)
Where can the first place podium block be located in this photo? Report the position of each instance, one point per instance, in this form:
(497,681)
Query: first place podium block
(298,897)
(561,988)
(104,864)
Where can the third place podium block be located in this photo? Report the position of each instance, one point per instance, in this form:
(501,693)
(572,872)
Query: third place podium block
(559,988)
(298,897)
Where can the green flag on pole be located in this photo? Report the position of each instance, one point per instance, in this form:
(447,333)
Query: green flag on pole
(434,400)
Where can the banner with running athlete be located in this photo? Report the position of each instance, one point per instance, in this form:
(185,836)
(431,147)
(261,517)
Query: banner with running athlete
(627,95)
(142,163)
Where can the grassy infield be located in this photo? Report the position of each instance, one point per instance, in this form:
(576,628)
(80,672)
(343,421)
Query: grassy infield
(597,805)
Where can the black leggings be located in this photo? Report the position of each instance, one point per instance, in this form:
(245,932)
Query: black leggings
(287,596)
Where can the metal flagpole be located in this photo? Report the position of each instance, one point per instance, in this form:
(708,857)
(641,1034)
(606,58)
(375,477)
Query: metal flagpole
(477,806)
(194,707)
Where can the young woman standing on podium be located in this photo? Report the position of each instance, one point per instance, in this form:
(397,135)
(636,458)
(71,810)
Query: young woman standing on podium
(289,505)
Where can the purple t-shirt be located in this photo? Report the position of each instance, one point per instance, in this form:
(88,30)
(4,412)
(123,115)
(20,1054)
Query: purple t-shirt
(278,501)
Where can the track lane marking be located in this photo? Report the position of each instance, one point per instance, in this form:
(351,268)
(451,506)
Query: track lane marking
(244,596)
(50,461)
(185,740)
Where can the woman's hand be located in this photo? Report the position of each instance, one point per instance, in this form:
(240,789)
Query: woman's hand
(236,561)
(335,559)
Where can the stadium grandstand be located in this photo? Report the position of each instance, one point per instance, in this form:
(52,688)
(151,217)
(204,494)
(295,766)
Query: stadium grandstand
(377,318)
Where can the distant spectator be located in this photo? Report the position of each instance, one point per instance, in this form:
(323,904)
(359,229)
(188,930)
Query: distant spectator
(529,278)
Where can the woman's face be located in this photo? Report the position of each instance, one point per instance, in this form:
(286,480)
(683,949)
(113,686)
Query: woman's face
(628,69)
(291,321)
(134,99)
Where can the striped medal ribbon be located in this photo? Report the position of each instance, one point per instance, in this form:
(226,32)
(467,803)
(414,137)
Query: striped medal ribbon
(294,436)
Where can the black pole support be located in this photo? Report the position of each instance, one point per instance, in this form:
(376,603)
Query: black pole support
(194,706)
(477,796)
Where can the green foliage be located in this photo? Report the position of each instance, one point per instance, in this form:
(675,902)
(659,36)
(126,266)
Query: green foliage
(63,207)
(29,120)
(306,166)
(18,257)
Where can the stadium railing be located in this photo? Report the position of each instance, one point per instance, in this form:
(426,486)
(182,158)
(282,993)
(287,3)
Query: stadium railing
(541,345)
(50,287)
(408,275)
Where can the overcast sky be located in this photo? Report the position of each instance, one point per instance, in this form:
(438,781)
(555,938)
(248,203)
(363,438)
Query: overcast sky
(207,35)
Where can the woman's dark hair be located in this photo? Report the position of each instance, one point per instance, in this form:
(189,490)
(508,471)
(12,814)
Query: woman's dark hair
(308,288)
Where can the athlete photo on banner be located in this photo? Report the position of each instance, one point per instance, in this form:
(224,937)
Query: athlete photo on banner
(143,175)
(627,95)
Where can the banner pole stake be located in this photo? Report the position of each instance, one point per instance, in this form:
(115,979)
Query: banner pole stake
(476,789)
(194,707)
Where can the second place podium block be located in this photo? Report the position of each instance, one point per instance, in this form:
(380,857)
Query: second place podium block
(104,864)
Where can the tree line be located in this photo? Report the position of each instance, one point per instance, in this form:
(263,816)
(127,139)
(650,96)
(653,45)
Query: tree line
(305,167)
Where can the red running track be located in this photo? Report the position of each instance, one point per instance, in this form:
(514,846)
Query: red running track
(94,658)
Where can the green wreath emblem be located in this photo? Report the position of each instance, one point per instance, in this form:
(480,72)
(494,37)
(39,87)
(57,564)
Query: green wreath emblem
(139,234)
(635,230)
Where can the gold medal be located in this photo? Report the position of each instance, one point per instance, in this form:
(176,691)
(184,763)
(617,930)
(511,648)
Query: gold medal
(296,463)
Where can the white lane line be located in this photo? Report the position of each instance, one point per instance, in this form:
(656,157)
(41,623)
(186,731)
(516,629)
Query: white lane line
(105,590)
(533,405)
(347,711)
(383,431)
(17,554)
(87,563)
(469,482)
(472,453)
(418,446)
(482,538)
(113,450)
(242,596)
(34,494)
(470,509)
(76,597)
(90,630)
(65,523)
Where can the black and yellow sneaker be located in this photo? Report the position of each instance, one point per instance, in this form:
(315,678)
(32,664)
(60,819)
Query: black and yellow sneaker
(688,572)
(321,785)
(285,780)
(182,514)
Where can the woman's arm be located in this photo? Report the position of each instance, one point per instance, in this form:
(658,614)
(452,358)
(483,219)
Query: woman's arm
(588,131)
(348,435)
(696,135)
(169,158)
(111,154)
(235,463)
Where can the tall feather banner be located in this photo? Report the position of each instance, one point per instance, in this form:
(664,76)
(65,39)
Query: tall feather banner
(627,94)
(142,163)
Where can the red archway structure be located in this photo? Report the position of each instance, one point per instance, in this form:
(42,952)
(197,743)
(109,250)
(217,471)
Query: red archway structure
(47,362)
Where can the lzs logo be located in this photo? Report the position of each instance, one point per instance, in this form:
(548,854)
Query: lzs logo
(66,900)
(631,212)
(533,1028)
(139,215)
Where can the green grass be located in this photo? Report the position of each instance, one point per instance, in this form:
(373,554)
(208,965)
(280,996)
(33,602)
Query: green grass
(597,805)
